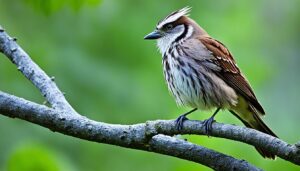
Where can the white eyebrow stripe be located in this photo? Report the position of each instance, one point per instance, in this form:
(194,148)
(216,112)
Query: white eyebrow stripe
(173,17)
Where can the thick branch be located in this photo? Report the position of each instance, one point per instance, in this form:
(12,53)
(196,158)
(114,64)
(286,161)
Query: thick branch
(138,136)
(33,72)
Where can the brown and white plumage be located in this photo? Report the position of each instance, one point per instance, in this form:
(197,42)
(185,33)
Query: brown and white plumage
(202,73)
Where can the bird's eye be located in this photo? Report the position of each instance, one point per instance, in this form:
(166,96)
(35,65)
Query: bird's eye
(169,26)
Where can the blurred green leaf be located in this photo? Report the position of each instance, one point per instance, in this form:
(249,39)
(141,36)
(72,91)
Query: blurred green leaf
(32,158)
(50,6)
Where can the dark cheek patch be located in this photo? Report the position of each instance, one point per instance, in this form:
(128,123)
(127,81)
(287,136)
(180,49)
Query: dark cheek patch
(183,34)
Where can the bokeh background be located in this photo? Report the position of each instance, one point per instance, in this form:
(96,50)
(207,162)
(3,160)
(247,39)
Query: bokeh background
(95,50)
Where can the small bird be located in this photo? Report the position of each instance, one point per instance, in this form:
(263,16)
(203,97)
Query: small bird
(201,73)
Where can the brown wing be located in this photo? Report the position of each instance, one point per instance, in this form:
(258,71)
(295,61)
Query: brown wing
(230,73)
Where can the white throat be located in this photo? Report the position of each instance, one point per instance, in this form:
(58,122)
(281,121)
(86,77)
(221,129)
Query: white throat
(166,41)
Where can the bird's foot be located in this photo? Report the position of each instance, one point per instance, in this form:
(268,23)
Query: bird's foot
(179,121)
(208,125)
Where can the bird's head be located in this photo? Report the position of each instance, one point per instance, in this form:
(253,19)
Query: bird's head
(173,28)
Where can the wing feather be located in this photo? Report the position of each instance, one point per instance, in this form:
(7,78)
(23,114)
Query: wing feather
(229,72)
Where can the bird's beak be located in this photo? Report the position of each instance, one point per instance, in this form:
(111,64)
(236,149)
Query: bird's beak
(153,35)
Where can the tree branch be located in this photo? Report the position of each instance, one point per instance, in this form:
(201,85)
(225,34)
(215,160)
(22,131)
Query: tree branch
(146,136)
(138,136)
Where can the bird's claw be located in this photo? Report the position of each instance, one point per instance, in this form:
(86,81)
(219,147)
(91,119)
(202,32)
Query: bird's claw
(208,125)
(179,122)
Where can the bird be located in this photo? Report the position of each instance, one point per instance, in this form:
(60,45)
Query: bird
(202,73)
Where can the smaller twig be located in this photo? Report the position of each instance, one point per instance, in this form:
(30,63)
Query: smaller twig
(33,72)
(247,135)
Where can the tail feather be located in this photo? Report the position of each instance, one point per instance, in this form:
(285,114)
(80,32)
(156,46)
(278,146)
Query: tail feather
(257,123)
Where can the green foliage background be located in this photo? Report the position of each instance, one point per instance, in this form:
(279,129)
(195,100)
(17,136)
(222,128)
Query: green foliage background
(96,51)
